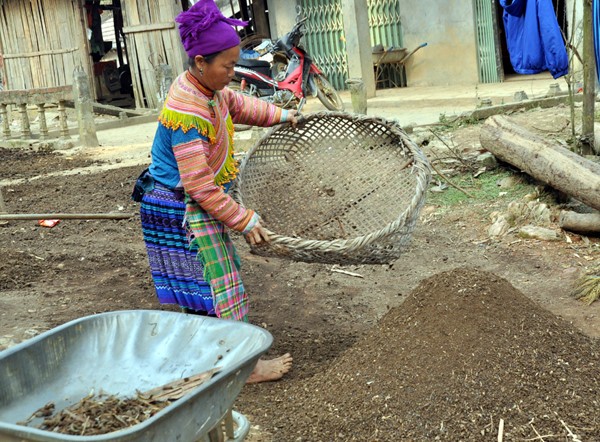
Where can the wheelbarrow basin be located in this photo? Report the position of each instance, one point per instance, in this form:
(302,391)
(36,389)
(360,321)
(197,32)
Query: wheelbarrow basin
(124,352)
(389,56)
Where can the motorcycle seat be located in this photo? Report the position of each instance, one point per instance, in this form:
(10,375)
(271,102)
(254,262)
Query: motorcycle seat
(252,63)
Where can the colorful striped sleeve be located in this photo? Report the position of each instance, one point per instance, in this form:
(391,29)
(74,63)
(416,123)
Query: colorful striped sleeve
(198,180)
(250,110)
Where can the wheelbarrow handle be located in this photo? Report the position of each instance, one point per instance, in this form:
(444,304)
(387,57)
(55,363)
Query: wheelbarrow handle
(422,45)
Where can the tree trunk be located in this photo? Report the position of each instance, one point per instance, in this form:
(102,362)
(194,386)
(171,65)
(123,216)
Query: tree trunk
(589,81)
(543,160)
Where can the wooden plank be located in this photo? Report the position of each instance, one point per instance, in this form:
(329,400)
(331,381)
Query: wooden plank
(50,17)
(153,12)
(7,39)
(19,20)
(170,51)
(64,19)
(3,41)
(133,16)
(175,54)
(11,69)
(146,52)
(35,74)
(40,30)
(40,53)
(143,10)
(134,65)
(148,28)
(73,20)
(14,22)
(130,18)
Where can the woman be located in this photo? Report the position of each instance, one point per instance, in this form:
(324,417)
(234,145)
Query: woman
(185,208)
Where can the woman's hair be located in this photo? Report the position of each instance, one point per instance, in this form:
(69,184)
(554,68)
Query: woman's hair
(209,58)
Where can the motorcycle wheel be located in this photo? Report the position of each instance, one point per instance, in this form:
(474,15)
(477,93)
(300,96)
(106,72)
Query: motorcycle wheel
(327,94)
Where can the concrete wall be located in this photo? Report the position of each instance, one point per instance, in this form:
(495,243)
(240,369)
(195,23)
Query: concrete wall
(448,27)
(282,16)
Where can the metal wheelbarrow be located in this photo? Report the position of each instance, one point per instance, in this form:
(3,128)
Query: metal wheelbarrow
(122,353)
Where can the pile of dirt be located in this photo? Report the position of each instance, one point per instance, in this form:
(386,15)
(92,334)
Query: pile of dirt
(465,350)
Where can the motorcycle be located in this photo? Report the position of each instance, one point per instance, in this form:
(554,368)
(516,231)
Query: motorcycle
(288,78)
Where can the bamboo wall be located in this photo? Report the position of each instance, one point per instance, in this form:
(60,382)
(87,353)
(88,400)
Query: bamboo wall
(151,38)
(42,41)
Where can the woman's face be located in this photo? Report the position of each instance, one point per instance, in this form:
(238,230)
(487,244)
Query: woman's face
(218,73)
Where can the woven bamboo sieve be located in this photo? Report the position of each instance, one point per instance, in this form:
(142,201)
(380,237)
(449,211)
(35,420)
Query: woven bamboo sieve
(340,188)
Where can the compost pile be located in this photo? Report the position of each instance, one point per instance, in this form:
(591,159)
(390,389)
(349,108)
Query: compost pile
(463,352)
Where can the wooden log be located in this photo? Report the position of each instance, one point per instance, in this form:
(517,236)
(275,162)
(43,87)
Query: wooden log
(545,161)
(579,222)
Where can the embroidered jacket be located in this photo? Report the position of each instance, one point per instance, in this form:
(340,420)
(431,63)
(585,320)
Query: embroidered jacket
(193,146)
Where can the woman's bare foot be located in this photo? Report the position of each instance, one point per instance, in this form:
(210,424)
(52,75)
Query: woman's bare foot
(271,369)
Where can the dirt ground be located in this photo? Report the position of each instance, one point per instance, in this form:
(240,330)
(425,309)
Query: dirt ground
(460,332)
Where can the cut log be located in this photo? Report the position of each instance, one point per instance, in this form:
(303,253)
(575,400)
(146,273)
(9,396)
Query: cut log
(579,222)
(545,161)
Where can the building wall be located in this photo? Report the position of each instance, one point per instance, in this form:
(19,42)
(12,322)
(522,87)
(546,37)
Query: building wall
(448,28)
(282,16)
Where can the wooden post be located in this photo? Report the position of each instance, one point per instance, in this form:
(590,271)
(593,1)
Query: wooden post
(42,118)
(5,122)
(62,117)
(25,129)
(589,81)
(85,111)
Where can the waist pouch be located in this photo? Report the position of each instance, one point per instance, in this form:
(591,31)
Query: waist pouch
(144,183)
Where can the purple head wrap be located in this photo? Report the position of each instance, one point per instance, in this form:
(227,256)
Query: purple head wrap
(205,30)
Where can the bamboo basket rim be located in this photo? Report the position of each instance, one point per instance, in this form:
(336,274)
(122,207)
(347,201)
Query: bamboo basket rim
(420,166)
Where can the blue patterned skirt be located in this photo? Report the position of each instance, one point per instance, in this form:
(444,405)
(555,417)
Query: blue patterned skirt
(176,269)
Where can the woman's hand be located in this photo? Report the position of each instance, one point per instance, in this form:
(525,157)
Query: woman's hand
(257,235)
(292,117)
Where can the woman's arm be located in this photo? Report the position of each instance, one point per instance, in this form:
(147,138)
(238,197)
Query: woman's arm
(250,110)
(198,180)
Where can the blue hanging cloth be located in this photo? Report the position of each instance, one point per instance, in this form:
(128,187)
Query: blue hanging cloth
(533,37)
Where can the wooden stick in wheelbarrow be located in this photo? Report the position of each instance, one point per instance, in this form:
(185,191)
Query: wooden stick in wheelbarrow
(177,389)
(38,216)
